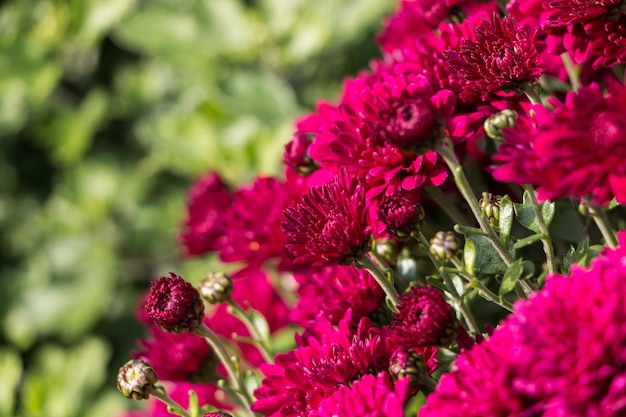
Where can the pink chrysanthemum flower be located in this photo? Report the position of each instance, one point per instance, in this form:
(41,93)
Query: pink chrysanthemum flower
(323,291)
(504,57)
(177,357)
(561,353)
(578,150)
(370,396)
(174,304)
(252,225)
(424,318)
(329,226)
(208,199)
(325,359)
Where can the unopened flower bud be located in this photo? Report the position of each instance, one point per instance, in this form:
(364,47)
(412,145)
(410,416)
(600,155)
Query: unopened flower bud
(403,216)
(496,122)
(136,379)
(490,208)
(444,246)
(407,363)
(216,288)
(174,304)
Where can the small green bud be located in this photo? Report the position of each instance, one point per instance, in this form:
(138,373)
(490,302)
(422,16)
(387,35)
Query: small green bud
(444,245)
(490,207)
(136,379)
(496,122)
(216,288)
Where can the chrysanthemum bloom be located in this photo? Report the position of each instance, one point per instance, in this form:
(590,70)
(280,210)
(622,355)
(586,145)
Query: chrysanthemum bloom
(577,151)
(424,318)
(404,216)
(174,304)
(251,287)
(370,396)
(208,199)
(586,29)
(252,225)
(325,359)
(328,227)
(177,357)
(323,291)
(504,57)
(561,353)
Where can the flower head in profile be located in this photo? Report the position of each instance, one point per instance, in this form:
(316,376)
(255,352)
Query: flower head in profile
(504,57)
(424,318)
(563,351)
(370,396)
(329,226)
(174,304)
(208,199)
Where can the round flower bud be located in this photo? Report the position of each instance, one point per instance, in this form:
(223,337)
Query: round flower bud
(403,216)
(424,318)
(174,304)
(490,208)
(136,379)
(407,363)
(496,122)
(444,246)
(216,288)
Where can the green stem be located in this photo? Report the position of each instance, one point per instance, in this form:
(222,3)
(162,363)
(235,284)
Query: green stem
(531,93)
(465,311)
(543,228)
(380,277)
(234,375)
(462,184)
(450,209)
(482,288)
(599,217)
(572,71)
(161,394)
(261,341)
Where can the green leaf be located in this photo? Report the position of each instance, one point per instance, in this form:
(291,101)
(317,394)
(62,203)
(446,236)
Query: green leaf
(529,240)
(469,256)
(511,276)
(468,230)
(525,213)
(581,255)
(507,213)
(488,260)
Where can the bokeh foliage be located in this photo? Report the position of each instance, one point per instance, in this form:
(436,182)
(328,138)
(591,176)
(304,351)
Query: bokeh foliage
(108,111)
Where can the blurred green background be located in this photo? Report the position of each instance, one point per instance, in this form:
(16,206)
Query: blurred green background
(109,109)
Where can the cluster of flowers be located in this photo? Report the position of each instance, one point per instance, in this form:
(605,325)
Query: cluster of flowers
(531,96)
